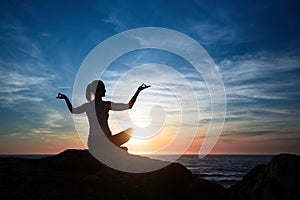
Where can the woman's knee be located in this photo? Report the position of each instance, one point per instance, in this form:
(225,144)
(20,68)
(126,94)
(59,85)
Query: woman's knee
(129,131)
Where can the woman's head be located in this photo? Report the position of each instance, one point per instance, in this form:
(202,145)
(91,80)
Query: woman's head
(95,88)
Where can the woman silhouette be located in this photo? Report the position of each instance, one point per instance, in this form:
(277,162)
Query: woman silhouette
(97,112)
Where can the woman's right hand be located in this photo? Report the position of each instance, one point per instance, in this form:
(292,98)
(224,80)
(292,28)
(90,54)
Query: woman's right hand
(143,86)
(61,96)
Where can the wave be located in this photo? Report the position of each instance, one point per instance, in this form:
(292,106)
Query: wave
(225,170)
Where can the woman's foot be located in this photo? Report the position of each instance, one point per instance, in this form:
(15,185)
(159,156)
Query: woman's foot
(124,148)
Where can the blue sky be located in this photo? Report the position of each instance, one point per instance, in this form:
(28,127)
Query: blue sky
(255,46)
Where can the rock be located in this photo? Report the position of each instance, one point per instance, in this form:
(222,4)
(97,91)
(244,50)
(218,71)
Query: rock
(279,180)
(75,174)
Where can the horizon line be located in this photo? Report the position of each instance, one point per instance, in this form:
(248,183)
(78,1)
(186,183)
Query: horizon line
(160,154)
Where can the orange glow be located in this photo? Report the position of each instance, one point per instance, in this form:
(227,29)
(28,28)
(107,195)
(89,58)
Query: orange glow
(152,144)
(142,146)
(53,144)
(40,144)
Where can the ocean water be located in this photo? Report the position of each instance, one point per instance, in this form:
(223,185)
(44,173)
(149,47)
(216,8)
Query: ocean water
(226,170)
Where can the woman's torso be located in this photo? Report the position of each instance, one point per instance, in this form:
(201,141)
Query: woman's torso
(97,113)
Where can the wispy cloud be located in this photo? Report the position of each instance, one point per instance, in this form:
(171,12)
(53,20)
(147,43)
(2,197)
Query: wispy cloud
(115,18)
(261,76)
(17,88)
(27,88)
(23,79)
(262,94)
(112,18)
(208,33)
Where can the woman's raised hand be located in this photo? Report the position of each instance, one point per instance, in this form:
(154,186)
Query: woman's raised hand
(143,86)
(61,96)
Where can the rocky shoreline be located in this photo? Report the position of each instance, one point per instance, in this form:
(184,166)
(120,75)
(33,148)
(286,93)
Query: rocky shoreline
(75,174)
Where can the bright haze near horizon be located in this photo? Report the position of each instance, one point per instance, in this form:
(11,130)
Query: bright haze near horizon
(255,46)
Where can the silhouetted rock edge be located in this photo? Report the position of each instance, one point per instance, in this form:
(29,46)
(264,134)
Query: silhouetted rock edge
(76,174)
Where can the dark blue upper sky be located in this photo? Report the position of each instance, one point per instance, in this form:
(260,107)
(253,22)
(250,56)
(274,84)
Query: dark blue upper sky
(255,45)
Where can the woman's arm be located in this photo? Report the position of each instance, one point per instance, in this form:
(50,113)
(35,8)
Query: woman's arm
(77,110)
(123,106)
(133,99)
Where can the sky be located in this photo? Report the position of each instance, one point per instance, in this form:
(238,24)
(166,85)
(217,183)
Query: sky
(255,46)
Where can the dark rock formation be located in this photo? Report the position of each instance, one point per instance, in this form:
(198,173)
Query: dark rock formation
(279,180)
(75,174)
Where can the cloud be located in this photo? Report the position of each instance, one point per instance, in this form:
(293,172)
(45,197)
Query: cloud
(262,94)
(208,33)
(254,136)
(17,88)
(215,25)
(263,76)
(115,18)
(28,88)
(25,75)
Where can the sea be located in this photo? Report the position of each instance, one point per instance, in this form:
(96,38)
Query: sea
(225,170)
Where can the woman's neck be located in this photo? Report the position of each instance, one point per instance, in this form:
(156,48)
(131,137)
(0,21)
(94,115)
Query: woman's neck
(98,99)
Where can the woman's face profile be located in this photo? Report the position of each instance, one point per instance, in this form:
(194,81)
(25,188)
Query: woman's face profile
(103,92)
(101,89)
